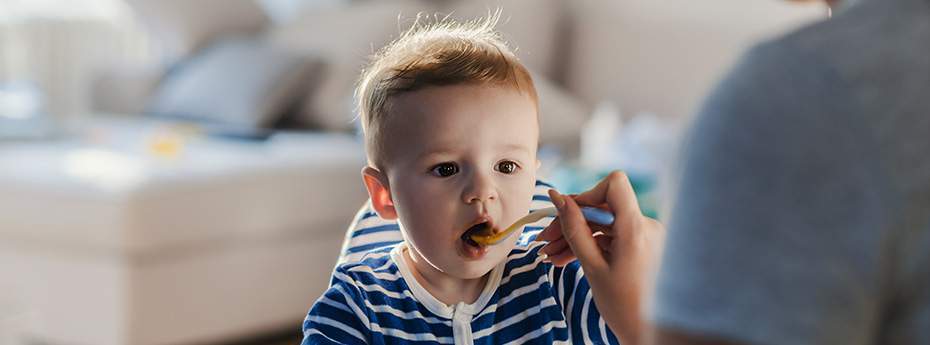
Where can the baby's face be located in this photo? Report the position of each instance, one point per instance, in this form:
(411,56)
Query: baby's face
(458,156)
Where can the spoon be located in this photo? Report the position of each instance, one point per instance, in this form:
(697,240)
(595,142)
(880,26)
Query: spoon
(486,236)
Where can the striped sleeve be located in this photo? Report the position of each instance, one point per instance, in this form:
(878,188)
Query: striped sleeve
(336,317)
(573,292)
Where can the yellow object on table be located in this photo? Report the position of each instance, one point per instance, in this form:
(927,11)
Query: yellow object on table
(169,142)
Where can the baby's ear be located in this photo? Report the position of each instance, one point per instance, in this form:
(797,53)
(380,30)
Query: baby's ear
(379,192)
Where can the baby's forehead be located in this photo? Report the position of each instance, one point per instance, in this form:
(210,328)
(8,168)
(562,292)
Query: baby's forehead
(455,126)
(460,117)
(463,101)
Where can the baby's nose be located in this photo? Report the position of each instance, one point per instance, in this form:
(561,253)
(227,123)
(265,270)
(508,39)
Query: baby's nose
(481,190)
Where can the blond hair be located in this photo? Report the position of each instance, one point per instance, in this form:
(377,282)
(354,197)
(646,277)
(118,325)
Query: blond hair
(435,54)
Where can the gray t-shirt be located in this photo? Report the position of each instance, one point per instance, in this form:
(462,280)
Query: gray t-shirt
(803,212)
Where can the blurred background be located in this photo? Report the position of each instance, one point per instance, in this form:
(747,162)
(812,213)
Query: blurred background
(183,171)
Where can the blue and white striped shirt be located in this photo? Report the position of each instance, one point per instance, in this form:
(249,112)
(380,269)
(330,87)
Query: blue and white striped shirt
(374,299)
(377,301)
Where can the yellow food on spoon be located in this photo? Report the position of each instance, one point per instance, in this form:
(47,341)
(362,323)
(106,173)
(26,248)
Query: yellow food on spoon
(487,236)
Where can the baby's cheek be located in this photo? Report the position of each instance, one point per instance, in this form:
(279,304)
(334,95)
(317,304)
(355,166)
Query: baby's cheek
(523,197)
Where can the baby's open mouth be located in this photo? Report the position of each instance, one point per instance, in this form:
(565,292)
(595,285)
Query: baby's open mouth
(481,229)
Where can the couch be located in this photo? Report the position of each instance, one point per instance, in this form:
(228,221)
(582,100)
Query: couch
(130,231)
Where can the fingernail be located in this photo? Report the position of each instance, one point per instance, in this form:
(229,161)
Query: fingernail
(544,256)
(557,199)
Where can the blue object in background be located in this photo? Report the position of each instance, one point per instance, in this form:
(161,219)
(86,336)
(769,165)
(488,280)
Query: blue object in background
(20,100)
(572,179)
(22,114)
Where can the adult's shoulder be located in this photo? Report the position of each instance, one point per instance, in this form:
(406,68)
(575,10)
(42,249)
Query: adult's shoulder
(867,59)
(867,41)
(787,81)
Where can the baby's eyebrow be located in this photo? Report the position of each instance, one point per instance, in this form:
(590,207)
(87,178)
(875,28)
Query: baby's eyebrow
(508,147)
(437,152)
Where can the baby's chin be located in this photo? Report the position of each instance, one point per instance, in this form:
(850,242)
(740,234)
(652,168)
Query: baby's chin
(474,269)
(466,272)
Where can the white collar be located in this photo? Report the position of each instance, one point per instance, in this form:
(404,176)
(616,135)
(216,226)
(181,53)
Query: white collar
(436,306)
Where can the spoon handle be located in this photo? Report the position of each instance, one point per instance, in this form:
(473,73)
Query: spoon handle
(597,216)
(591,214)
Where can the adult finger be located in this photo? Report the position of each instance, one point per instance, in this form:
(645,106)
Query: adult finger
(616,191)
(563,258)
(604,242)
(555,247)
(557,243)
(551,233)
(577,233)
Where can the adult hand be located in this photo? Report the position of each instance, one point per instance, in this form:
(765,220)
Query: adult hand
(619,261)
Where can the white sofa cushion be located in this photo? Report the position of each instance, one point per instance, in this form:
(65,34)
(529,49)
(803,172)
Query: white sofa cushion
(241,82)
(181,26)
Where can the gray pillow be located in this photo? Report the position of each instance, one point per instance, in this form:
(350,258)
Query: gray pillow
(240,82)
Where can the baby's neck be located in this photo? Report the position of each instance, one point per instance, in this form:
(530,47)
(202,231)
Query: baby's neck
(447,289)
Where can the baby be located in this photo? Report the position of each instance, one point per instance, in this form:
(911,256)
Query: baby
(451,133)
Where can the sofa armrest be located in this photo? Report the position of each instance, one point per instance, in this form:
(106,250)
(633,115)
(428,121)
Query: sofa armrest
(561,115)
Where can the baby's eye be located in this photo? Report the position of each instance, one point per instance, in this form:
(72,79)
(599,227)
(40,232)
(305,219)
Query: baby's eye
(507,167)
(445,169)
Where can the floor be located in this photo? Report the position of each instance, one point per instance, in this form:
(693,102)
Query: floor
(285,337)
(277,338)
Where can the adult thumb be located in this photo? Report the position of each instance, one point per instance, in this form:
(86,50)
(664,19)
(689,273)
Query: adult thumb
(577,233)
